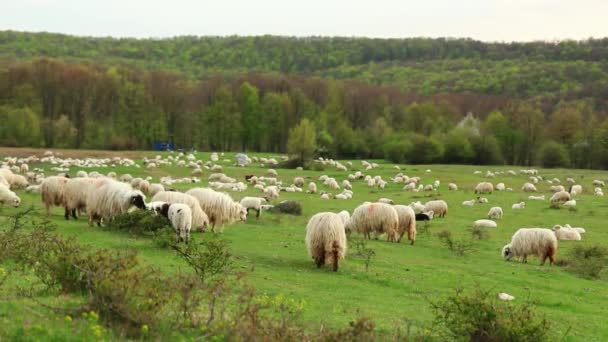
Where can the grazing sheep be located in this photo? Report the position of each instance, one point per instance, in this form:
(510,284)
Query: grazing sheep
(570,203)
(559,197)
(379,218)
(9,197)
(566,233)
(108,198)
(346,185)
(385,200)
(156,188)
(452,186)
(407,223)
(424,217)
(254,203)
(219,206)
(417,206)
(144,186)
(76,191)
(180,216)
(345,216)
(518,206)
(439,207)
(200,220)
(298,181)
(596,182)
(468,203)
(288,207)
(14,181)
(528,187)
(539,241)
(484,224)
(557,188)
(326,239)
(325,196)
(484,188)
(500,186)
(580,230)
(312,188)
(52,192)
(576,190)
(495,213)
(536,198)
(482,200)
(156,206)
(126,178)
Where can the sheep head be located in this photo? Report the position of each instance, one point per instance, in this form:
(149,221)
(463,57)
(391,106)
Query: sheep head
(507,254)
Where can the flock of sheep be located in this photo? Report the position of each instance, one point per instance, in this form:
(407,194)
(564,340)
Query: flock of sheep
(103,197)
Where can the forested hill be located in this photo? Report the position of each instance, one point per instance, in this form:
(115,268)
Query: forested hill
(403,99)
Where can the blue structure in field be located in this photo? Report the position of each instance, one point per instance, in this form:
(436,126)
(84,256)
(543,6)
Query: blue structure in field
(163,146)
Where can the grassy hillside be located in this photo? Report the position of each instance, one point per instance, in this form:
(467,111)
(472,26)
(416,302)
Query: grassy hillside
(401,278)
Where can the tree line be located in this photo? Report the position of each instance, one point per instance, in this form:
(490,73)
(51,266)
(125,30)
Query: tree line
(54,103)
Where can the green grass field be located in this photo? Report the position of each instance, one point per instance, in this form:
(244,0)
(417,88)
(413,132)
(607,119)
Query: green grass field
(401,278)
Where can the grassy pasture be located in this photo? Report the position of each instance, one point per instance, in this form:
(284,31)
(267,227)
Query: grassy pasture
(401,278)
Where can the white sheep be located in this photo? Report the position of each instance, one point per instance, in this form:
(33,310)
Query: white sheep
(536,198)
(484,224)
(438,207)
(200,220)
(576,190)
(468,203)
(109,198)
(407,223)
(219,206)
(52,192)
(254,203)
(500,186)
(345,216)
(484,188)
(570,203)
(495,213)
(559,197)
(312,188)
(385,200)
(566,233)
(379,218)
(9,197)
(75,194)
(528,187)
(326,239)
(482,200)
(417,207)
(298,181)
(325,196)
(518,206)
(525,241)
(452,186)
(180,216)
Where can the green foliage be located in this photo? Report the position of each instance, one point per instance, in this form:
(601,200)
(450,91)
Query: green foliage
(458,148)
(397,149)
(479,316)
(425,150)
(554,154)
(302,141)
(586,261)
(458,247)
(139,222)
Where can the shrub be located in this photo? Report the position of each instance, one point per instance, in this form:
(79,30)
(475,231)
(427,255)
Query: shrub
(554,154)
(288,207)
(479,316)
(362,251)
(479,233)
(587,261)
(458,247)
(139,222)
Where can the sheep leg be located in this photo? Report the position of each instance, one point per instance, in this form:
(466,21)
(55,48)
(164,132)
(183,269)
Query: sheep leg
(48,209)
(74,214)
(335,256)
(320,260)
(257,216)
(66,213)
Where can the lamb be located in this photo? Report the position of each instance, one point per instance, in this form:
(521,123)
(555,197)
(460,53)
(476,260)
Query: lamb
(9,197)
(379,218)
(482,200)
(425,217)
(557,188)
(528,187)
(312,188)
(539,241)
(484,224)
(14,181)
(566,233)
(407,222)
(52,192)
(220,207)
(180,216)
(254,203)
(452,186)
(518,206)
(109,198)
(495,213)
(156,206)
(439,207)
(326,239)
(385,200)
(484,188)
(500,186)
(570,203)
(468,203)
(597,182)
(200,220)
(536,198)
(580,230)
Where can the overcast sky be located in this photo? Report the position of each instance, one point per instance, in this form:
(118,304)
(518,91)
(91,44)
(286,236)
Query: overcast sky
(488,20)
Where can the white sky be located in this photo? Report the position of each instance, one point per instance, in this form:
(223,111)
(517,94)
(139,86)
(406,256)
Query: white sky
(488,20)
